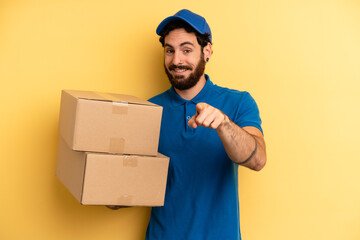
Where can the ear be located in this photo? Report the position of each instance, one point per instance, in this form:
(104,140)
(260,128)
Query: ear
(207,50)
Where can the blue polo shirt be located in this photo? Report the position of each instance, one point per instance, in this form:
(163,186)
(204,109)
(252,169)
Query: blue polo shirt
(201,200)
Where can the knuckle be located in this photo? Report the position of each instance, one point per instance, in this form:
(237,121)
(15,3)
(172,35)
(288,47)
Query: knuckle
(206,124)
(213,126)
(198,121)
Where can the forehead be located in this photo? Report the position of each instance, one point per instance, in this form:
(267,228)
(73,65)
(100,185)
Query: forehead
(179,36)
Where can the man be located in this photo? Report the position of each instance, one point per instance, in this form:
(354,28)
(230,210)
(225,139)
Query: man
(207,131)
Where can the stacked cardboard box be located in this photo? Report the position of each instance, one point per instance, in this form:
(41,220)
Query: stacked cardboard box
(107,151)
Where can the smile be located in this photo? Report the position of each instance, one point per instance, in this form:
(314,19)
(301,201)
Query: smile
(179,70)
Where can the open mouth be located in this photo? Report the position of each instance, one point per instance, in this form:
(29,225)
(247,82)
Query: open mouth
(179,69)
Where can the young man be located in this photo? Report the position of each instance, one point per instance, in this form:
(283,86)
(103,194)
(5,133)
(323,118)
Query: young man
(207,131)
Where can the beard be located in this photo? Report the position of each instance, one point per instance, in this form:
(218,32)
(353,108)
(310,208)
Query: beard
(182,83)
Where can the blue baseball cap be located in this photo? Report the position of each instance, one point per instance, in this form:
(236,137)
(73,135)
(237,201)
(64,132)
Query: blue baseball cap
(196,21)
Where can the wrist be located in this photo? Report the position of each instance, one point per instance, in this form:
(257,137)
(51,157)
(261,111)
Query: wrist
(225,122)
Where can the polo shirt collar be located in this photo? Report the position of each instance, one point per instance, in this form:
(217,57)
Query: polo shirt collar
(200,97)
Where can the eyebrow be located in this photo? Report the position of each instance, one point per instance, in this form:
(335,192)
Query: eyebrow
(182,44)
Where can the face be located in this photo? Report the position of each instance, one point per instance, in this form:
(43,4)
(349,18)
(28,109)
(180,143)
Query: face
(184,60)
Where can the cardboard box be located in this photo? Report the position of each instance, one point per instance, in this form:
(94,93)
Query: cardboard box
(112,179)
(110,123)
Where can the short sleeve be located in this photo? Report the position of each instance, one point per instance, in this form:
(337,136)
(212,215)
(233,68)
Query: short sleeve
(248,113)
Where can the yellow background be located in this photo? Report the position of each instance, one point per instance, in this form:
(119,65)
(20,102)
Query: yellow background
(299,60)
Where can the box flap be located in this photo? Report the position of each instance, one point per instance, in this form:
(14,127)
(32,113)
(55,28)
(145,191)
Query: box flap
(111,97)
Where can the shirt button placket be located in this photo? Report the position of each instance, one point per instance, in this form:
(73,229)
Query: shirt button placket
(188,116)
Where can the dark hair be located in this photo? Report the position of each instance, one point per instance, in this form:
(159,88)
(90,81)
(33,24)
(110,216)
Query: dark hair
(202,39)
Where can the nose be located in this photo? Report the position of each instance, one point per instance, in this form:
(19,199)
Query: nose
(177,58)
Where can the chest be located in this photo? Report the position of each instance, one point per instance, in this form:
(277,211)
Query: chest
(177,136)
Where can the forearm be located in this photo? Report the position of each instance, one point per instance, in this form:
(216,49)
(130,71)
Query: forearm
(243,144)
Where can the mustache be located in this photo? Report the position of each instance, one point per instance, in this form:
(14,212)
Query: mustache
(173,67)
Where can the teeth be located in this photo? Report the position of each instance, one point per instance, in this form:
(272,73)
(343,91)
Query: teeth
(179,70)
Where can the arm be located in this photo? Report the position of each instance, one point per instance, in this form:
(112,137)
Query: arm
(239,143)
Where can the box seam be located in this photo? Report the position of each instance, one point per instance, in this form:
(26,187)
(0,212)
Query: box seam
(83,179)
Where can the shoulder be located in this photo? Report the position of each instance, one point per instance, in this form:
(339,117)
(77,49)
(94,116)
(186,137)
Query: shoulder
(233,94)
(240,106)
(160,99)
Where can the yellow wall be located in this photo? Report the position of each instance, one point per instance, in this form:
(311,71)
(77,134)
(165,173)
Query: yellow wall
(299,59)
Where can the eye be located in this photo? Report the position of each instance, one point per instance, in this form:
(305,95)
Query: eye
(169,51)
(187,51)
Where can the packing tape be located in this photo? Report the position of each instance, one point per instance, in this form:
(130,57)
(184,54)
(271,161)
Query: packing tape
(130,161)
(120,107)
(125,200)
(117,145)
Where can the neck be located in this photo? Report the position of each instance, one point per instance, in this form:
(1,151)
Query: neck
(192,92)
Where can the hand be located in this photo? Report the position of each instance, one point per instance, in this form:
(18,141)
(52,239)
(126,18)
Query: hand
(114,207)
(206,116)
